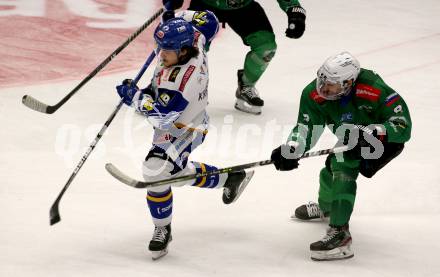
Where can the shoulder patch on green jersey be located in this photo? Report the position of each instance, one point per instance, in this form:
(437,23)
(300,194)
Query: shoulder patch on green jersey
(367,92)
(316,97)
(391,99)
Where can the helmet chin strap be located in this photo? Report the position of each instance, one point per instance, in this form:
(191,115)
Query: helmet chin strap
(347,88)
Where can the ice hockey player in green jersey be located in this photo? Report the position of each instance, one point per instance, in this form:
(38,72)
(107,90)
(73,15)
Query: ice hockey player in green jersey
(248,19)
(357,106)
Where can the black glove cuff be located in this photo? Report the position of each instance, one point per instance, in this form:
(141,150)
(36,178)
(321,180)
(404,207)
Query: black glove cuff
(149,90)
(129,82)
(297,12)
(172,4)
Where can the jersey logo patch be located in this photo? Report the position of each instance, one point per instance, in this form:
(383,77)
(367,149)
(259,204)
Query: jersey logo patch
(160,34)
(164,99)
(367,92)
(306,118)
(316,97)
(174,74)
(366,108)
(235,3)
(200,18)
(390,100)
(346,117)
(148,105)
(186,77)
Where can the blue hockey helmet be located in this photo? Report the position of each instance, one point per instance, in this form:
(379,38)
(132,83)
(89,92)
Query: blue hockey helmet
(174,34)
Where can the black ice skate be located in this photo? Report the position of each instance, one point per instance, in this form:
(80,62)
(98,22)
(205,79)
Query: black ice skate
(235,184)
(247,97)
(159,243)
(310,211)
(335,245)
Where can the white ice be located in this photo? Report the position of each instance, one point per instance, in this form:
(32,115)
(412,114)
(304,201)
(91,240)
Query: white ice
(105,225)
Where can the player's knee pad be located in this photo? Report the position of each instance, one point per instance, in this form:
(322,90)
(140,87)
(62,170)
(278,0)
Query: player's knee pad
(263,45)
(157,166)
(155,169)
(370,167)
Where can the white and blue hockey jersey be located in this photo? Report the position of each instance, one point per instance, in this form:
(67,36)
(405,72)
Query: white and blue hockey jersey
(181,91)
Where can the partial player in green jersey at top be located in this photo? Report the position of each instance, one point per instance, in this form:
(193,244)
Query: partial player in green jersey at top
(248,19)
(365,114)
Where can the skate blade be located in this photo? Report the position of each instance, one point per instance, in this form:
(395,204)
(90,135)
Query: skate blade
(155,255)
(244,183)
(243,106)
(317,219)
(159,254)
(339,253)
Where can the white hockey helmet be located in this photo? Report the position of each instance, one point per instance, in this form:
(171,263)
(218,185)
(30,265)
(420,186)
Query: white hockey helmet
(338,69)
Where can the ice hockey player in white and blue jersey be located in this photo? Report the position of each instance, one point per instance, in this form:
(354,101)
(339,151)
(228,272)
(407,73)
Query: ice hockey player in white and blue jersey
(175,104)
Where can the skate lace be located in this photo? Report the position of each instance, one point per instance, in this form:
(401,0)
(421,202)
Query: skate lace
(313,209)
(250,92)
(331,233)
(160,234)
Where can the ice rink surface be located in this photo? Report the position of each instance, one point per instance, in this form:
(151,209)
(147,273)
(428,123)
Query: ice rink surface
(105,225)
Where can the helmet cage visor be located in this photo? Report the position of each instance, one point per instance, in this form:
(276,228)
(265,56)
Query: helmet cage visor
(323,81)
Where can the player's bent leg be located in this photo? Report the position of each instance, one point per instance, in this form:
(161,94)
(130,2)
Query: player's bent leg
(263,48)
(212,181)
(233,183)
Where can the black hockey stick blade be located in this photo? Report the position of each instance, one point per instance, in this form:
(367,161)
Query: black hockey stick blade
(54,214)
(37,105)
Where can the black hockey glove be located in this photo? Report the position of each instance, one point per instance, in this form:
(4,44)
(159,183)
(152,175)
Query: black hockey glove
(281,159)
(370,167)
(297,22)
(172,4)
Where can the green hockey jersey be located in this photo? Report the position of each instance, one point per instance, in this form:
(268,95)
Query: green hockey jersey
(371,101)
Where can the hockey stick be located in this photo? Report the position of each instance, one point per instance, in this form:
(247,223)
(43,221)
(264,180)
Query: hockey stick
(115,172)
(54,210)
(39,106)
